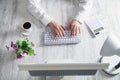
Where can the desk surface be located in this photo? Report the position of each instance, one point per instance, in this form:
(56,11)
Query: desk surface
(13,13)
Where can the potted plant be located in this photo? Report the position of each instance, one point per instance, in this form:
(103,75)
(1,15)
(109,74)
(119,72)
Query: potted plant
(22,48)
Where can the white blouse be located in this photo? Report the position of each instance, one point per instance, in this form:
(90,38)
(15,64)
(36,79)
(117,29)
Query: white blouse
(82,9)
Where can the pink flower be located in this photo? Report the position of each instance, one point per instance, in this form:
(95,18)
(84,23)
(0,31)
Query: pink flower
(15,46)
(19,56)
(12,43)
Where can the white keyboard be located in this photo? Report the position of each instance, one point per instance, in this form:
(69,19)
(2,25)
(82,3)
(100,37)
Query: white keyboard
(49,39)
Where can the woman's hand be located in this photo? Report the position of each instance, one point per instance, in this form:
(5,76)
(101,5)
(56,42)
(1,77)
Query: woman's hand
(74,27)
(57,29)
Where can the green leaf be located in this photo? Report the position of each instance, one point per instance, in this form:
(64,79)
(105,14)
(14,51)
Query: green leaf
(25,44)
(30,52)
(19,43)
(18,52)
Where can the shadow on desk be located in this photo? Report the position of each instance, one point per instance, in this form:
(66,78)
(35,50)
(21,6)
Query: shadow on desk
(7,56)
(10,33)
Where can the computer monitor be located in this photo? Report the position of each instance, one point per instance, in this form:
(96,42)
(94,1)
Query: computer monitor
(63,69)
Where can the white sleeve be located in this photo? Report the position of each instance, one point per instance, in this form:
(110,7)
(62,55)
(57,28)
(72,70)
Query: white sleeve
(84,7)
(35,9)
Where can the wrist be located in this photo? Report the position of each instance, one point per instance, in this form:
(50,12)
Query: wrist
(77,21)
(51,23)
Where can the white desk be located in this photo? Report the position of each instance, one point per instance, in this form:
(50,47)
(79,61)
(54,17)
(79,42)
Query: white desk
(13,13)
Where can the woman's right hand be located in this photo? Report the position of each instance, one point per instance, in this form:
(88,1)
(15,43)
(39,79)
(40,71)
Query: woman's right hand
(57,29)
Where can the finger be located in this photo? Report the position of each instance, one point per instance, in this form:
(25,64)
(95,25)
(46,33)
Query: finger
(72,30)
(59,33)
(62,30)
(76,30)
(62,27)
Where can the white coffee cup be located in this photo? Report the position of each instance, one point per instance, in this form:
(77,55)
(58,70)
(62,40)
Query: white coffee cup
(26,28)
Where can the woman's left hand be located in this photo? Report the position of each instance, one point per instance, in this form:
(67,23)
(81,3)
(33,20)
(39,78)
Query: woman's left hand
(74,27)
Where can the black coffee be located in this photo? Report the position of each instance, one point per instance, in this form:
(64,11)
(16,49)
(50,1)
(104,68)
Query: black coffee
(26,25)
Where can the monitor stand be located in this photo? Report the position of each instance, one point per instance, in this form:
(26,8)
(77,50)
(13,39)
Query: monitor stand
(57,61)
